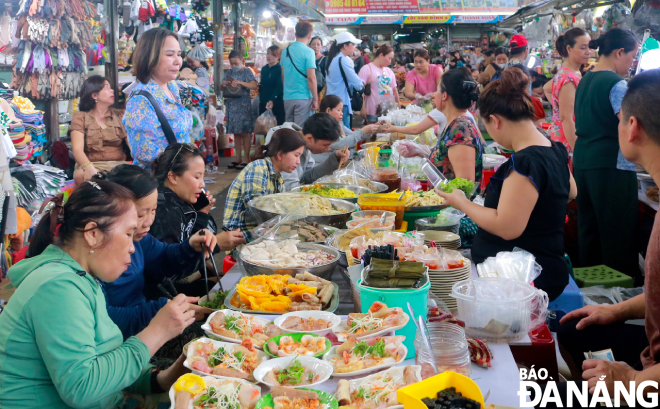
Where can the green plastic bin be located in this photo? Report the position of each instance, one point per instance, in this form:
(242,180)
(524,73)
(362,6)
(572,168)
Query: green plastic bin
(418,299)
(601,275)
(411,217)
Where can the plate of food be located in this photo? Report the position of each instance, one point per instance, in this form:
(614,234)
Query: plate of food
(299,344)
(379,320)
(289,398)
(236,327)
(424,201)
(223,359)
(377,391)
(196,392)
(309,322)
(287,257)
(280,293)
(355,357)
(293,372)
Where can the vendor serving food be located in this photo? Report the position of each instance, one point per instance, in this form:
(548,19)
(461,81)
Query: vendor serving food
(459,152)
(526,200)
(263,176)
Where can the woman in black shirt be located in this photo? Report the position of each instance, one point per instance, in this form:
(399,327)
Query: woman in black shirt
(526,199)
(271,89)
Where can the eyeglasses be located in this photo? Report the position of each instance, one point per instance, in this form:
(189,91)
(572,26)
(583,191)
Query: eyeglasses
(183,145)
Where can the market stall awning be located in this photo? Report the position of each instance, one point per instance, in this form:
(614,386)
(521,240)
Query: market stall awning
(312,9)
(544,7)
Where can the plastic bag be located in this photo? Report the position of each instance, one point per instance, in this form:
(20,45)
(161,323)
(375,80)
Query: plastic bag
(448,217)
(291,226)
(265,122)
(408,182)
(598,294)
(518,265)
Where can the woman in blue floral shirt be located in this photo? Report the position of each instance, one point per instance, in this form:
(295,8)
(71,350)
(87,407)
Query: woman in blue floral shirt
(156,73)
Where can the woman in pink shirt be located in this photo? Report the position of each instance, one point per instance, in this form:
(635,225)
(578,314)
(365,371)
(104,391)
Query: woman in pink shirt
(381,78)
(424,78)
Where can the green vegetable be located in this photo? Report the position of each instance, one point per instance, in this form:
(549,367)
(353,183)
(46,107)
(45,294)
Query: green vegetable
(293,374)
(362,348)
(216,302)
(465,185)
(216,357)
(230,324)
(361,392)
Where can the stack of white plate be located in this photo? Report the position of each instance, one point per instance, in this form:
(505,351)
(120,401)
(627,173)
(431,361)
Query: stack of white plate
(443,280)
(444,239)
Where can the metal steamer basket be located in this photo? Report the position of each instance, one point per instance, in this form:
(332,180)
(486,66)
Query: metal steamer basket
(333,220)
(323,271)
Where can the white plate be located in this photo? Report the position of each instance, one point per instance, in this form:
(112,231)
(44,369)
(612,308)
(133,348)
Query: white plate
(207,327)
(211,380)
(333,353)
(328,316)
(342,327)
(440,236)
(261,355)
(313,364)
(395,371)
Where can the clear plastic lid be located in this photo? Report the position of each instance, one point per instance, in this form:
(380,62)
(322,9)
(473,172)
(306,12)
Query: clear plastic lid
(433,174)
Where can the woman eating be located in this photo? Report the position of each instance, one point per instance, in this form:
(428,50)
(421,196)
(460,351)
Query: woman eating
(422,80)
(271,87)
(239,111)
(381,79)
(156,73)
(98,138)
(460,147)
(527,198)
(573,46)
(58,347)
(494,69)
(333,105)
(180,175)
(598,162)
(127,305)
(262,177)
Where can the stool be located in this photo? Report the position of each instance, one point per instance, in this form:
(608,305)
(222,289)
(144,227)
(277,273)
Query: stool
(228,263)
(541,353)
(571,299)
(601,275)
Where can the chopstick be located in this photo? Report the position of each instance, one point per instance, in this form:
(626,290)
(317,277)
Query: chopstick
(341,162)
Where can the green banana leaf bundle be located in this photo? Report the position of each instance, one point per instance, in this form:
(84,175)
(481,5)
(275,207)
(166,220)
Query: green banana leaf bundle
(380,268)
(392,282)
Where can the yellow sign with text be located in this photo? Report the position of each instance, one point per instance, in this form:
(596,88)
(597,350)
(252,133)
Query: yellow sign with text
(437,19)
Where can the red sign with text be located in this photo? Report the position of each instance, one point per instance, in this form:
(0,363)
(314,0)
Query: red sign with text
(370,6)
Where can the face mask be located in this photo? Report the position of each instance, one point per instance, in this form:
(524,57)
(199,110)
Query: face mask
(237,68)
(501,65)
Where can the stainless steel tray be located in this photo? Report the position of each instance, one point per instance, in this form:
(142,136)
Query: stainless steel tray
(332,307)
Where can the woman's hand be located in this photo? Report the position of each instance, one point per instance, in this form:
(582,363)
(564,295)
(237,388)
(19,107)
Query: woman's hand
(229,240)
(167,377)
(409,149)
(173,318)
(236,83)
(89,171)
(593,315)
(200,312)
(204,236)
(455,199)
(370,129)
(209,206)
(386,127)
(269,105)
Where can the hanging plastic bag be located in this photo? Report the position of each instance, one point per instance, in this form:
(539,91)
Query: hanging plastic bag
(265,122)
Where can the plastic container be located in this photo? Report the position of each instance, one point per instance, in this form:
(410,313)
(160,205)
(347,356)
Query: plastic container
(411,396)
(450,347)
(434,176)
(373,216)
(418,299)
(388,202)
(495,309)
(389,176)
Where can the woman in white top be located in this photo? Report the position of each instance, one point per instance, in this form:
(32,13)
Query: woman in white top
(381,78)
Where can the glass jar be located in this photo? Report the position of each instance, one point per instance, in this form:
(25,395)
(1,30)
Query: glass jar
(450,347)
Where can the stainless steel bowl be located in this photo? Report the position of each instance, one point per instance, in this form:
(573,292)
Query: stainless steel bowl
(358,190)
(334,220)
(381,187)
(324,271)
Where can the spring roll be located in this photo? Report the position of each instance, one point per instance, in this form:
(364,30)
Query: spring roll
(307,283)
(230,373)
(307,276)
(344,392)
(271,379)
(325,294)
(410,375)
(291,393)
(310,298)
(182,400)
(304,306)
(379,310)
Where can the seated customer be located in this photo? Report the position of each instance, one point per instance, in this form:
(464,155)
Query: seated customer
(98,138)
(636,348)
(58,347)
(127,306)
(527,198)
(319,132)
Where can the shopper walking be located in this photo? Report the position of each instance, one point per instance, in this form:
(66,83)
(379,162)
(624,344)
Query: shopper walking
(98,138)
(341,77)
(573,46)
(155,92)
(494,69)
(423,80)
(380,79)
(301,96)
(271,89)
(317,45)
(240,121)
(606,224)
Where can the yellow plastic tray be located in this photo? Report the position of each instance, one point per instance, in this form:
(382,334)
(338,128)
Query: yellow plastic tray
(411,396)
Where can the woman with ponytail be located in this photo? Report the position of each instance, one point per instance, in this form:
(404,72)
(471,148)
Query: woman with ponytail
(527,198)
(598,162)
(460,148)
(262,177)
(58,346)
(573,46)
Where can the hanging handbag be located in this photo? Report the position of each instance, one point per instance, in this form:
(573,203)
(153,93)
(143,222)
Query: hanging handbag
(355,95)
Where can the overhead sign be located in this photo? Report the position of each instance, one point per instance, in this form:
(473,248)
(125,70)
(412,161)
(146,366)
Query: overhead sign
(413,19)
(419,6)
